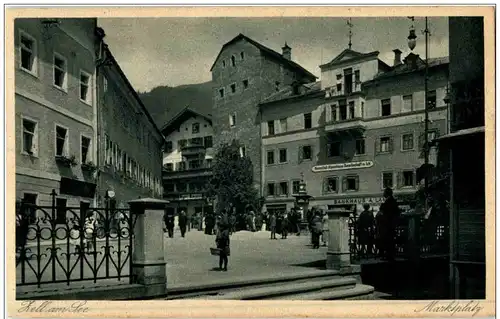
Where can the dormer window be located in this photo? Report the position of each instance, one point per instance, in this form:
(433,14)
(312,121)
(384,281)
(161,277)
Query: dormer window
(233,61)
(277,86)
(242,54)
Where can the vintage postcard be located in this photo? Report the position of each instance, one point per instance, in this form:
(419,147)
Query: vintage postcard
(213,161)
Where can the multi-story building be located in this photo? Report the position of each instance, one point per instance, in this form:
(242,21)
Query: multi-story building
(358,131)
(243,74)
(130,153)
(55,104)
(187,162)
(464,149)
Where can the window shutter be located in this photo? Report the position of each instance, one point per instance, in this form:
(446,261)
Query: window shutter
(357,183)
(376,146)
(325,185)
(421,140)
(399,180)
(391,142)
(34,146)
(276,189)
(300,154)
(344,184)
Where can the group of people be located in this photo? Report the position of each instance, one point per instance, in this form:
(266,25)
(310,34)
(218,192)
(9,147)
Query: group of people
(379,230)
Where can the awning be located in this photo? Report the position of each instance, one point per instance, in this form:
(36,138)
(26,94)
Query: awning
(462,133)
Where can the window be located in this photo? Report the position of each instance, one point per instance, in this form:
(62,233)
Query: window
(61,141)
(306,152)
(194,164)
(169,188)
(223,63)
(196,141)
(221,92)
(407,103)
(30,211)
(270,189)
(283,125)
(208,141)
(85,149)
(333,109)
(28,53)
(182,143)
(233,61)
(105,84)
(295,187)
(360,147)
(431,135)
(348,80)
(245,84)
(431,99)
(385,144)
(85,95)
(343,110)
(270,157)
(351,110)
(284,188)
(407,142)
(242,54)
(331,184)
(61,210)
(307,120)
(243,151)
(408,180)
(232,120)
(339,87)
(339,76)
(60,72)
(195,128)
(233,88)
(270,127)
(351,183)
(334,149)
(386,107)
(181,166)
(169,167)
(357,78)
(387,180)
(181,187)
(277,86)
(169,147)
(30,137)
(283,156)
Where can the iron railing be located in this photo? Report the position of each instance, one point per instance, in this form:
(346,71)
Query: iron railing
(69,244)
(366,243)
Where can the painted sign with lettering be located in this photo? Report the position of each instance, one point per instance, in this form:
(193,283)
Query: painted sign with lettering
(342,166)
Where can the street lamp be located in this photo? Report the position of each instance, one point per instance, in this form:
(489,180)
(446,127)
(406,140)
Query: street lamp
(412,41)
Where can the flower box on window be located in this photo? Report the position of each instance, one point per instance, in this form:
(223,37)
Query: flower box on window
(66,161)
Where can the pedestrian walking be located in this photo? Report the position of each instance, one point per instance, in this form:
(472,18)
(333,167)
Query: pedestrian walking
(390,212)
(223,243)
(316,229)
(284,226)
(90,224)
(183,221)
(169,223)
(326,230)
(365,230)
(272,225)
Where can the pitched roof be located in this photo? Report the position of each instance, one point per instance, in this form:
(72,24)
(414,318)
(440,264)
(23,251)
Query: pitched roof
(112,59)
(349,54)
(267,51)
(407,67)
(182,116)
(287,92)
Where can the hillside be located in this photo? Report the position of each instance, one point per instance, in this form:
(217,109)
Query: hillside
(164,102)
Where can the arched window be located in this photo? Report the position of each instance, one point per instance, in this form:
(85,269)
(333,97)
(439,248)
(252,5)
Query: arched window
(233,61)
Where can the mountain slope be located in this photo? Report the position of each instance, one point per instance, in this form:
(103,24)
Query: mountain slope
(165,102)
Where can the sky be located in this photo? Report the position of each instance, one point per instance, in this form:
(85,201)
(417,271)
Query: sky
(176,51)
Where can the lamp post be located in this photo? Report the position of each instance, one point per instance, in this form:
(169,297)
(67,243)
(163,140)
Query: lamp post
(412,41)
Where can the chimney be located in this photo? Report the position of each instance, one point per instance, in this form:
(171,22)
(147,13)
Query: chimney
(287,52)
(397,57)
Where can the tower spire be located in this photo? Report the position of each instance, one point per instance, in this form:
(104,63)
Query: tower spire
(350,25)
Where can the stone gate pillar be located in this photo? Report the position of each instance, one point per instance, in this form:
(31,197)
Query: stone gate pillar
(338,255)
(148,258)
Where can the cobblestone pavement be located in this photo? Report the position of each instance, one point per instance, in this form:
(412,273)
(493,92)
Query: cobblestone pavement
(189,261)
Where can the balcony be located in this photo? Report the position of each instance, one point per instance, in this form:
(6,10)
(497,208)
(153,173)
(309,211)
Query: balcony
(351,125)
(182,172)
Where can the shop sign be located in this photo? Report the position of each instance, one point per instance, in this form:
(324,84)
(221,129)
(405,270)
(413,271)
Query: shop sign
(357,200)
(190,196)
(342,166)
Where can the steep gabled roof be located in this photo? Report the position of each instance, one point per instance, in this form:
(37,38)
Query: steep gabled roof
(268,52)
(348,55)
(287,92)
(181,117)
(113,61)
(408,68)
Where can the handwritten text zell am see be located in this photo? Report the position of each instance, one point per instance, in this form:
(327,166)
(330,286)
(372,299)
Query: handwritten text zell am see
(47,306)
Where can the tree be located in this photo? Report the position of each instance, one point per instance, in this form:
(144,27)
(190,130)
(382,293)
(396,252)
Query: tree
(232,181)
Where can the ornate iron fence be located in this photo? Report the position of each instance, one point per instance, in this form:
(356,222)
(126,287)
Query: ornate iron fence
(366,243)
(68,244)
